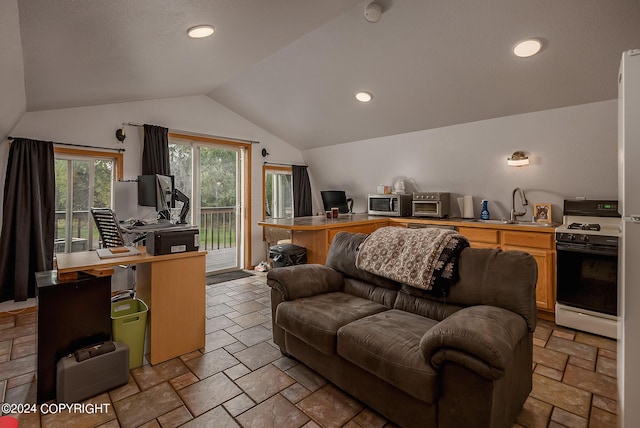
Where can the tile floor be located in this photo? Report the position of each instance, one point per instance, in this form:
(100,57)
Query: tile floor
(241,379)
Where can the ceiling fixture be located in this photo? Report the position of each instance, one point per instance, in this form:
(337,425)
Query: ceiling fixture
(200,31)
(373,12)
(363,96)
(527,48)
(518,158)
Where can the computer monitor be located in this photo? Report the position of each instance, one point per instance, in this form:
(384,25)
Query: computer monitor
(336,198)
(164,196)
(157,191)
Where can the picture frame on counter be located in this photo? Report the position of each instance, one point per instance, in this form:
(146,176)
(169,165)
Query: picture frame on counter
(541,213)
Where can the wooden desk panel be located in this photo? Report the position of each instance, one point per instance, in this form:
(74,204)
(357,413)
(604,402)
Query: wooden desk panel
(174,289)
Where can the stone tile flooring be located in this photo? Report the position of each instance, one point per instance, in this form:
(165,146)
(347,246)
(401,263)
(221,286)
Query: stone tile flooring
(241,379)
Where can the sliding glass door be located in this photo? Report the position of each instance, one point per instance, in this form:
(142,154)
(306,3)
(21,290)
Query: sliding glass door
(211,175)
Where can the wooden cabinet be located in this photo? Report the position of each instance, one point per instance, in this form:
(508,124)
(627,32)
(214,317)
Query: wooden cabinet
(541,247)
(528,239)
(315,241)
(481,238)
(360,228)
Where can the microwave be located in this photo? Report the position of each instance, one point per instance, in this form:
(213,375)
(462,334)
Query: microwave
(395,205)
(430,204)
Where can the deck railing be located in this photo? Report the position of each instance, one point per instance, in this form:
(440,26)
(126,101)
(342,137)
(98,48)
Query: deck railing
(217,229)
(79,224)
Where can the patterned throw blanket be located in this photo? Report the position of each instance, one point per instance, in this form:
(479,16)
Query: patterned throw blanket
(422,258)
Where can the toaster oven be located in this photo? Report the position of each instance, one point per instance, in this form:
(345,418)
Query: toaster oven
(430,204)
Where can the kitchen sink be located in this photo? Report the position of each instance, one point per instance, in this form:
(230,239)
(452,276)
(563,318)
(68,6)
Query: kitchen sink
(515,222)
(496,221)
(534,224)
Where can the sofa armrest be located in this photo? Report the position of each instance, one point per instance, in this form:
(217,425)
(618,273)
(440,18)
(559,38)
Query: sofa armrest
(481,338)
(295,282)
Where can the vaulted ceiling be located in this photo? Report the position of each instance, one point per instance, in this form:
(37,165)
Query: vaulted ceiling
(293,66)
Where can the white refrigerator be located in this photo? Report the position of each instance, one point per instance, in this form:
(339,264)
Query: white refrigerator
(629,260)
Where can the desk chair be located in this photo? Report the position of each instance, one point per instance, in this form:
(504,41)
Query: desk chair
(108,227)
(111,236)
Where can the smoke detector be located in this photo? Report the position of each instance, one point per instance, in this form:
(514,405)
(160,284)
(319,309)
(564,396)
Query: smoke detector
(373,12)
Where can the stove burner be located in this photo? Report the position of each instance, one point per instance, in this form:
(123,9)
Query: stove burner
(585,226)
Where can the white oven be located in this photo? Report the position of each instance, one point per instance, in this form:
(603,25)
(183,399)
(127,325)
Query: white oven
(587,267)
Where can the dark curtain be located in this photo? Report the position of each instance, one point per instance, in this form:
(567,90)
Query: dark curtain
(155,153)
(301,191)
(28,218)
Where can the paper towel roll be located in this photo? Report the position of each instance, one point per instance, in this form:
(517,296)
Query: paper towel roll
(467,208)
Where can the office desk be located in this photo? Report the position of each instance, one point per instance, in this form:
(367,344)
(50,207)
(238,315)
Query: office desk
(172,285)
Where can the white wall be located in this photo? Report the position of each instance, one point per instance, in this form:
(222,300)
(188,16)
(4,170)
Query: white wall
(573,153)
(13,101)
(96,126)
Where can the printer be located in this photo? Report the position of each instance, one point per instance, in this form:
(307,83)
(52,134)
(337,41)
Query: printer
(173,240)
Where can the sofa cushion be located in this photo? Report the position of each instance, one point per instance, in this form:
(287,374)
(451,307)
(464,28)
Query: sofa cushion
(426,306)
(317,319)
(368,291)
(387,344)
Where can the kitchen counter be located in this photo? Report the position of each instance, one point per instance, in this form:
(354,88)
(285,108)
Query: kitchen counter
(318,222)
(485,224)
(322,223)
(315,233)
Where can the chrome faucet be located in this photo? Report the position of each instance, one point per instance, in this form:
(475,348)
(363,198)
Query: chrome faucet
(523,199)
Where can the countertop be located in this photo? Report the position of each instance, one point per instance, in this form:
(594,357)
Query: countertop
(321,222)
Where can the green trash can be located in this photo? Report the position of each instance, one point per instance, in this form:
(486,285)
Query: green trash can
(129,322)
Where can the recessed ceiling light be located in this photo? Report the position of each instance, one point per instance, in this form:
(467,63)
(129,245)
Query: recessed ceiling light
(200,31)
(527,48)
(363,96)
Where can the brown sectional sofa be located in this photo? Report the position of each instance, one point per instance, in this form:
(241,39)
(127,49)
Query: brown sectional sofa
(419,360)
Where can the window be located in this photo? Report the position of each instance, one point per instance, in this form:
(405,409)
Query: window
(277,192)
(84,179)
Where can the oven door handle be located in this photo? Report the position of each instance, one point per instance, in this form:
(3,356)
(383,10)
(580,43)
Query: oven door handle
(587,249)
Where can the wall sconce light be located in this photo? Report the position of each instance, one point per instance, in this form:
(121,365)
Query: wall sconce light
(518,158)
(265,153)
(120,135)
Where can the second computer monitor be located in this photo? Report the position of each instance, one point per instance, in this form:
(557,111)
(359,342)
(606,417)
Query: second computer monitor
(335,198)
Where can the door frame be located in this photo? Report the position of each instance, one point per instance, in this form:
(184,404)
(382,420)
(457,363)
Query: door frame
(245,191)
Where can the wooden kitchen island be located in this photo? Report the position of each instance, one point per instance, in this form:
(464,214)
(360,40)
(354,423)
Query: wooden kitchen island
(315,233)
